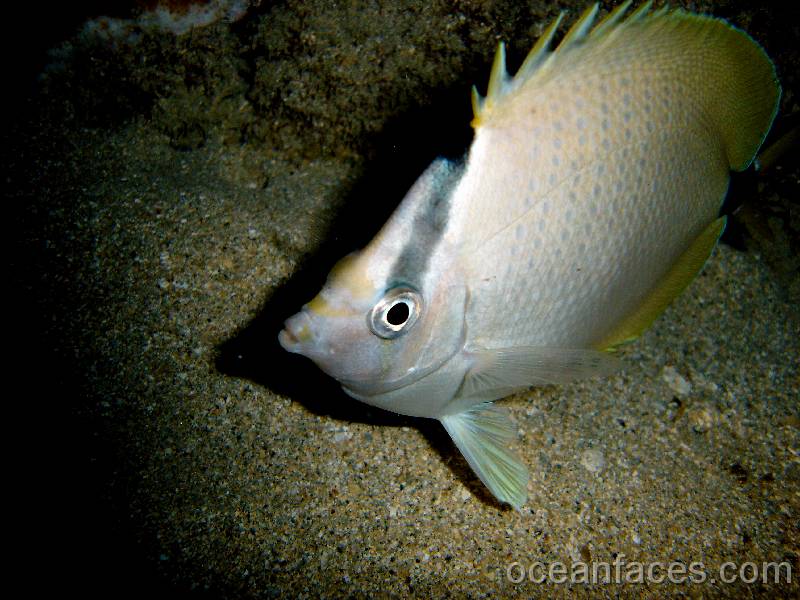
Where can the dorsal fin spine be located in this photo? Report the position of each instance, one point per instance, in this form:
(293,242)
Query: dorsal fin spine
(499,81)
(611,19)
(579,30)
(477,103)
(540,51)
(641,12)
(499,76)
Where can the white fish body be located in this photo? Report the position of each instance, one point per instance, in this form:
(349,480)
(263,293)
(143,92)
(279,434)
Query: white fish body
(587,202)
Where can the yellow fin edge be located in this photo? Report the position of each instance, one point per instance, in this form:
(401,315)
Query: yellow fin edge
(676,280)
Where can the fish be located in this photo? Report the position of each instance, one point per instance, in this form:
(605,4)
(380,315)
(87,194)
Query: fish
(588,199)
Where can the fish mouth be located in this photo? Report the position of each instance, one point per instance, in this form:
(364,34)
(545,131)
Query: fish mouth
(296,332)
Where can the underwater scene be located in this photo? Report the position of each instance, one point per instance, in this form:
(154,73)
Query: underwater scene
(558,359)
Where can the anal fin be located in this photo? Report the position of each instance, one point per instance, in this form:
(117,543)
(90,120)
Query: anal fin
(482,434)
(677,278)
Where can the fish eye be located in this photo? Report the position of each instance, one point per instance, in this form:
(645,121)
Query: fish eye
(395,313)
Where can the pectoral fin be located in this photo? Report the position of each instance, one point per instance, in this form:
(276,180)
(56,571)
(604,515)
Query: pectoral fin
(498,372)
(483,433)
(677,278)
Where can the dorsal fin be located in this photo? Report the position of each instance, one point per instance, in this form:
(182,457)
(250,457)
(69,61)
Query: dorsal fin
(499,81)
(540,50)
(742,109)
(578,31)
(615,16)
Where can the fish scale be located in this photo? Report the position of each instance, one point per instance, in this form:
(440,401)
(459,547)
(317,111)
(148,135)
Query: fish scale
(587,201)
(567,201)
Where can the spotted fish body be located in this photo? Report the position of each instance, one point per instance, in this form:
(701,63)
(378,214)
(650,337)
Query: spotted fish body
(587,201)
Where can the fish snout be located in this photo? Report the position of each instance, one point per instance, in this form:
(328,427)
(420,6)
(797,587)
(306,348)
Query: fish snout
(296,332)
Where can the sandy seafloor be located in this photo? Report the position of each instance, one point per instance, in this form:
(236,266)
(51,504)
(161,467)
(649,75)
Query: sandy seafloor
(176,448)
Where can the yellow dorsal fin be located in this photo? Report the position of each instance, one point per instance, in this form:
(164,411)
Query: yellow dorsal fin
(498,85)
(615,16)
(740,89)
(739,93)
(499,81)
(578,31)
(499,76)
(677,278)
(540,50)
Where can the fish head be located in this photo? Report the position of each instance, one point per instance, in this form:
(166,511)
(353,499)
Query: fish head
(376,335)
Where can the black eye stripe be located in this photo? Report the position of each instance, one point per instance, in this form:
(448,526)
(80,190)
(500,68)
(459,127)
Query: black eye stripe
(431,196)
